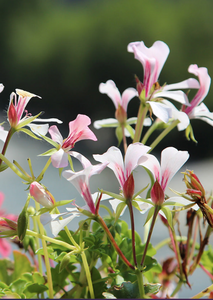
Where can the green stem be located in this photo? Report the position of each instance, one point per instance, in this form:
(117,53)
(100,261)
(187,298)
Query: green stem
(129,203)
(9,135)
(38,246)
(140,120)
(88,275)
(176,289)
(46,257)
(40,176)
(140,283)
(68,232)
(149,132)
(163,134)
(124,138)
(204,292)
(51,240)
(157,208)
(168,240)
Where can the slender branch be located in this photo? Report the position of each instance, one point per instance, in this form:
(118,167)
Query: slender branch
(140,120)
(157,208)
(124,138)
(106,229)
(129,203)
(163,134)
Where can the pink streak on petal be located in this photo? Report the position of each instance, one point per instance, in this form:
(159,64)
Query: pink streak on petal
(205,81)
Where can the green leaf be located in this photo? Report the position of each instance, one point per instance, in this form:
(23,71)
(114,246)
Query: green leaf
(6,267)
(26,121)
(149,263)
(168,215)
(127,290)
(30,133)
(150,214)
(119,210)
(23,223)
(18,286)
(56,145)
(119,134)
(151,288)
(21,264)
(3,167)
(49,152)
(36,288)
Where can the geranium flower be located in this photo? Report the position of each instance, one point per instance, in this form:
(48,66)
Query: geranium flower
(81,182)
(197,109)
(5,247)
(153,59)
(78,130)
(121,103)
(17,108)
(171,161)
(123,168)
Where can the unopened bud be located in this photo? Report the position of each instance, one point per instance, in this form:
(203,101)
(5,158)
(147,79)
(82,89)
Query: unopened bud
(139,85)
(7,225)
(41,195)
(157,193)
(120,114)
(129,187)
(12,115)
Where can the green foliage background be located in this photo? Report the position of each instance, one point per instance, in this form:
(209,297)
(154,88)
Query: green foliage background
(62,50)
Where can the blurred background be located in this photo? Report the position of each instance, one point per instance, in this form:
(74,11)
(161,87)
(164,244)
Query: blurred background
(62,50)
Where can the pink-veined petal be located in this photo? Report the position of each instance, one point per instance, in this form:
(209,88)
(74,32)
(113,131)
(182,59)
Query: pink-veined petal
(115,159)
(78,129)
(202,112)
(112,92)
(171,161)
(161,111)
(127,95)
(133,153)
(59,159)
(150,162)
(205,81)
(55,134)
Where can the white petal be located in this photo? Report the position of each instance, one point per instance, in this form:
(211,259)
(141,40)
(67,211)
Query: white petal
(39,129)
(175,95)
(112,92)
(161,111)
(106,123)
(1,87)
(114,203)
(59,159)
(171,161)
(58,225)
(190,83)
(133,153)
(49,120)
(150,162)
(84,161)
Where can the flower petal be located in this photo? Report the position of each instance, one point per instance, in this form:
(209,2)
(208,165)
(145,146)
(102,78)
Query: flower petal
(161,111)
(171,161)
(150,162)
(133,153)
(127,95)
(112,92)
(106,123)
(55,134)
(175,95)
(115,159)
(59,159)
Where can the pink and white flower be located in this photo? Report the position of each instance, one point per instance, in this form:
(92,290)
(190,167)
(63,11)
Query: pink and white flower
(41,195)
(81,182)
(153,59)
(17,108)
(121,103)
(171,161)
(78,130)
(197,109)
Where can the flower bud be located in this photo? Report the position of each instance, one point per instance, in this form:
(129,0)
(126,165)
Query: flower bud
(194,186)
(120,114)
(139,85)
(12,115)
(41,195)
(7,225)
(129,187)
(157,194)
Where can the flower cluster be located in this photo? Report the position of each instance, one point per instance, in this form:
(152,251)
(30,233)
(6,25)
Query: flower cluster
(107,238)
